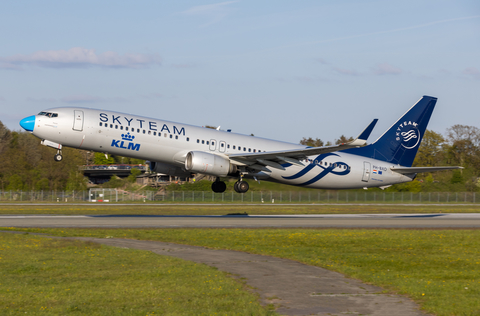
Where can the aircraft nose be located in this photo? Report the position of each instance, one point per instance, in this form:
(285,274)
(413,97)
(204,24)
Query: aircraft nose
(28,123)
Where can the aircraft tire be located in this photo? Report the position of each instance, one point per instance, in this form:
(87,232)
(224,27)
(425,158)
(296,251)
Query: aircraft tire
(58,157)
(219,186)
(241,186)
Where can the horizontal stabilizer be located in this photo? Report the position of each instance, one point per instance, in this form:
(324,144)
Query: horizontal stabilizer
(406,170)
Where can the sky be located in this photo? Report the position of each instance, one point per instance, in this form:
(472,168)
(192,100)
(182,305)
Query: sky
(282,70)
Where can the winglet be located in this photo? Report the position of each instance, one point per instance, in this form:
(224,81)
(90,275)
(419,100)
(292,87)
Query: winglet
(366,133)
(362,138)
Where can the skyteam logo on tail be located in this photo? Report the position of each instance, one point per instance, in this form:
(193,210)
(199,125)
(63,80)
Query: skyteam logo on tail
(408,134)
(126,138)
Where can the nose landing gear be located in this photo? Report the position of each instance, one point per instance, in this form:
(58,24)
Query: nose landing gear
(58,157)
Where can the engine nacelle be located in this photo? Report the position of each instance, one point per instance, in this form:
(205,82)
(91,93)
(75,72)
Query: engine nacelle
(165,168)
(215,165)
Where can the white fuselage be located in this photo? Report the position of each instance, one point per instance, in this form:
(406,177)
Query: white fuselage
(169,142)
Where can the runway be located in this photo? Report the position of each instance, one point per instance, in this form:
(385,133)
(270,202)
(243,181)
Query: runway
(440,220)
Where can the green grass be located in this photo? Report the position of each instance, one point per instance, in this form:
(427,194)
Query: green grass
(266,209)
(43,276)
(440,269)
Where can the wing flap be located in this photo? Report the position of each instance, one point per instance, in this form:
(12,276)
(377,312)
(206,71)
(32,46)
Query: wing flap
(294,156)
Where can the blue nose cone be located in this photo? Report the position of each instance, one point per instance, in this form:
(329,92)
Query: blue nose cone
(28,123)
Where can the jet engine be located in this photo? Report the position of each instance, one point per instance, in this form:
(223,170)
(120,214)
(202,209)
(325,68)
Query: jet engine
(165,168)
(215,165)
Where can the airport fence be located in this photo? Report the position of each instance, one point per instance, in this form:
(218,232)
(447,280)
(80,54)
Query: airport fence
(115,195)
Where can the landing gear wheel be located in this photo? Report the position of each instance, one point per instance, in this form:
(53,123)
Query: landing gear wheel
(241,186)
(58,157)
(219,186)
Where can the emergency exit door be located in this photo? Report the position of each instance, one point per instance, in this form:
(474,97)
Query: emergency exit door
(366,171)
(78,121)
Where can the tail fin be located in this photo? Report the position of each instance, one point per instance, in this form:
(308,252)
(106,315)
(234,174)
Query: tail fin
(399,144)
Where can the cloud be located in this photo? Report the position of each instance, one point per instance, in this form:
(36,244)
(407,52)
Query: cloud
(346,71)
(386,69)
(215,12)
(321,61)
(472,72)
(2,99)
(79,57)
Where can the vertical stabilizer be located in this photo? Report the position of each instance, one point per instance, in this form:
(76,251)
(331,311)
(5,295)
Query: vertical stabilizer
(400,143)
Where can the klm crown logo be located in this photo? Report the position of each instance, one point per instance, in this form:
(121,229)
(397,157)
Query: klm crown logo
(126,143)
(128,137)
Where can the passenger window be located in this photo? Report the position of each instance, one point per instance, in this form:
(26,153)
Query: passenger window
(233,146)
(198,141)
(222,145)
(249,150)
(244,149)
(138,130)
(149,132)
(154,133)
(171,136)
(208,142)
(203,142)
(116,126)
(188,139)
(228,146)
(176,136)
(100,123)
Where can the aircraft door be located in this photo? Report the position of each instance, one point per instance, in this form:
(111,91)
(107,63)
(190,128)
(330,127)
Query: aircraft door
(213,144)
(78,120)
(366,171)
(222,147)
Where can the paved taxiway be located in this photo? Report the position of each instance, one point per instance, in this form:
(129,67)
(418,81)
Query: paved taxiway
(441,220)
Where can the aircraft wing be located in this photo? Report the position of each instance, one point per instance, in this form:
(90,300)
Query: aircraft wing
(409,170)
(274,159)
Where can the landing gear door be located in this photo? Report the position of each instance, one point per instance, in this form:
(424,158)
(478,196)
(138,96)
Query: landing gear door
(366,171)
(78,120)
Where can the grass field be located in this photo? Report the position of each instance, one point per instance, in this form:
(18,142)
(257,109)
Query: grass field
(42,276)
(440,269)
(266,209)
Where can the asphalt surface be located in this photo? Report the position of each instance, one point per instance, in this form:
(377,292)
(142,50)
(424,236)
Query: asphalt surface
(441,220)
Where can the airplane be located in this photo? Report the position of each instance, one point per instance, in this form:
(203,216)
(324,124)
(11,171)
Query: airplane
(181,150)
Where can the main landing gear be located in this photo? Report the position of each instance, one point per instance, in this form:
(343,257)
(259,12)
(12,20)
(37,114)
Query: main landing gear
(240,186)
(219,186)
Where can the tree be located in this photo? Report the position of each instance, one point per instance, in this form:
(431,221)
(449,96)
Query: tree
(100,159)
(431,151)
(317,142)
(464,144)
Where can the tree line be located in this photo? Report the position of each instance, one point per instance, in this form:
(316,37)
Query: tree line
(28,165)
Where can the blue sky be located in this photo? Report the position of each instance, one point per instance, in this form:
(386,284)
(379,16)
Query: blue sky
(278,69)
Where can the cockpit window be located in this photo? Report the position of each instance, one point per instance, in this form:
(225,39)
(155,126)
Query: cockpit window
(48,114)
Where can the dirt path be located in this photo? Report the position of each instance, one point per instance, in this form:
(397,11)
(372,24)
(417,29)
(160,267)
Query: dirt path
(294,288)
